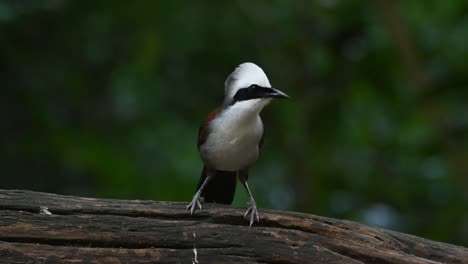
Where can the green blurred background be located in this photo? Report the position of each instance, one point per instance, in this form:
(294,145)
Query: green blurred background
(104,99)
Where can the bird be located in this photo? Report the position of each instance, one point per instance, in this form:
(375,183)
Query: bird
(230,138)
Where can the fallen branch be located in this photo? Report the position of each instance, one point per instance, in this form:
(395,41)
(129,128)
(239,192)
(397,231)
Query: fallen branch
(88,230)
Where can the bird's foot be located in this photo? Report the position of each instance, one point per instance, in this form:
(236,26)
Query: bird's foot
(253,212)
(196,202)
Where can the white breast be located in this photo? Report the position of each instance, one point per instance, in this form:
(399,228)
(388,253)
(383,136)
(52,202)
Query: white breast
(232,143)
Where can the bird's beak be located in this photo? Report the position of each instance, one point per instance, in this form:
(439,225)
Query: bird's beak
(274,93)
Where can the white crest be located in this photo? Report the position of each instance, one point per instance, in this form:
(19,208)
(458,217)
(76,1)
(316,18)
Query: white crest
(243,76)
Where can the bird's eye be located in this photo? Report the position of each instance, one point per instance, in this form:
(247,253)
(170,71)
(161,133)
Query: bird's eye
(253,86)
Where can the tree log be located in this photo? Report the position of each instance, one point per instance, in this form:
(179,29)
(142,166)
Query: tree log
(89,230)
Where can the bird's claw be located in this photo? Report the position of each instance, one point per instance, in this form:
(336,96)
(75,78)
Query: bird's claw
(252,210)
(196,202)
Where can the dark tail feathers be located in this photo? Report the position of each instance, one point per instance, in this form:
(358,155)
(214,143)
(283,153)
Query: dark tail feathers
(220,189)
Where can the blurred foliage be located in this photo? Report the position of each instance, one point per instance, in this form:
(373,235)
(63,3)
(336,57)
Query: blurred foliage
(104,99)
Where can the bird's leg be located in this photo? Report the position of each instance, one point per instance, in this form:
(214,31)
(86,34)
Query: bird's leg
(196,200)
(252,210)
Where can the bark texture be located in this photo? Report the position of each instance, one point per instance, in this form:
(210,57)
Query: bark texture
(89,230)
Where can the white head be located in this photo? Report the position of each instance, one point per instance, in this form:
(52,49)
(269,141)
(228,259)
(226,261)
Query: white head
(249,82)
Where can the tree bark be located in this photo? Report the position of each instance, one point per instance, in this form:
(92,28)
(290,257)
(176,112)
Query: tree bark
(89,230)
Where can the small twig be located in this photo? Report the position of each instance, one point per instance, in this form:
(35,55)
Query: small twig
(195,253)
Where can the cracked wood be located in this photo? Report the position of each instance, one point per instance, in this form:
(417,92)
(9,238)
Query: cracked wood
(89,230)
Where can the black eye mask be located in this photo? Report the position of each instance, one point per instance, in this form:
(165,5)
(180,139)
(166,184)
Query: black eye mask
(254,92)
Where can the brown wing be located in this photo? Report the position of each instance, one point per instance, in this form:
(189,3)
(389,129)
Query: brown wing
(203,130)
